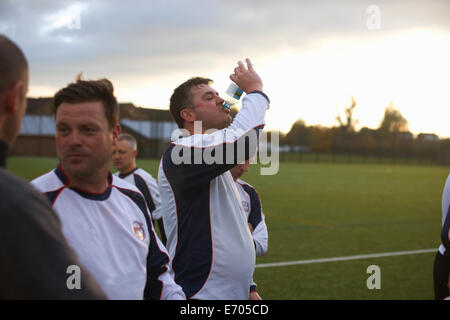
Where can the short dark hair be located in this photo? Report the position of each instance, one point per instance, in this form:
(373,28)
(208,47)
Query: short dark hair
(90,91)
(182,97)
(13,64)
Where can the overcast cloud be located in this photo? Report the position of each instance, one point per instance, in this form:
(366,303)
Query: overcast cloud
(141,37)
(321,48)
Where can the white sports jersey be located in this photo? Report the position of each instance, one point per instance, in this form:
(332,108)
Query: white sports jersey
(113,237)
(208,238)
(253,209)
(445,234)
(149,188)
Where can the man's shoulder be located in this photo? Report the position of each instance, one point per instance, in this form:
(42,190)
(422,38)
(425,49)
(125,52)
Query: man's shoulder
(244,184)
(129,191)
(144,175)
(123,184)
(47,182)
(248,188)
(447,185)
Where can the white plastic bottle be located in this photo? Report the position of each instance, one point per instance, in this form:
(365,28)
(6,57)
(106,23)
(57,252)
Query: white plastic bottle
(232,95)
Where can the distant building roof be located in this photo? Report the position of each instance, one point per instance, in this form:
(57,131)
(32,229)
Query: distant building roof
(39,106)
(34,125)
(151,129)
(428,137)
(43,106)
(148,123)
(406,135)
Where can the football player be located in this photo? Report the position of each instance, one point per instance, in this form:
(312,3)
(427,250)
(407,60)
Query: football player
(104,218)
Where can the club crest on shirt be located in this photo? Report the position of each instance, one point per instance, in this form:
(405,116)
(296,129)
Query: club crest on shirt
(138,230)
(246,206)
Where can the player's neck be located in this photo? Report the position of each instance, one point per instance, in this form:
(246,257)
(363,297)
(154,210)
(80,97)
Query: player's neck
(97,183)
(192,129)
(127,171)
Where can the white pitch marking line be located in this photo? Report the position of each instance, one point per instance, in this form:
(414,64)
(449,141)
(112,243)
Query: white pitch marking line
(358,257)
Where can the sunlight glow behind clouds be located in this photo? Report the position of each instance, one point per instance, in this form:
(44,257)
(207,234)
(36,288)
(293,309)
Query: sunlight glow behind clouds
(409,69)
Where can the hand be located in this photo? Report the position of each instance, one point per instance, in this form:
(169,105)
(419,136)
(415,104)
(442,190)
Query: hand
(246,78)
(250,227)
(254,296)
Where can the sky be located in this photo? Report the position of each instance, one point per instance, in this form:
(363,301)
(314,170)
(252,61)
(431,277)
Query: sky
(312,56)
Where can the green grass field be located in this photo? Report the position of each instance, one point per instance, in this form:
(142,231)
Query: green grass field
(324,210)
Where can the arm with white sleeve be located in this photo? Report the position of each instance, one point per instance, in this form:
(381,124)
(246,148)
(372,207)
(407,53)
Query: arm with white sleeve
(230,146)
(257,221)
(152,197)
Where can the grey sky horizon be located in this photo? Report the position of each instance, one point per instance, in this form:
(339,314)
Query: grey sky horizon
(161,43)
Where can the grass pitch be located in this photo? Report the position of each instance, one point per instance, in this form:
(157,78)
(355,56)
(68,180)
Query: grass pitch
(321,210)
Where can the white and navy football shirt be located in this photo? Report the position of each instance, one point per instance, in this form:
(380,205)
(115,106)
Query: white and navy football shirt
(208,239)
(113,237)
(255,216)
(444,248)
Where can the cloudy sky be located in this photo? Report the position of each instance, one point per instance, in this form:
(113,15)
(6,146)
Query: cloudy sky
(313,56)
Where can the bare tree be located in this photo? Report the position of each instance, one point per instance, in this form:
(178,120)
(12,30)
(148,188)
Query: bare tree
(349,123)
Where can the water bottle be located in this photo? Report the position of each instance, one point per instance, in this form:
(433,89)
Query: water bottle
(232,95)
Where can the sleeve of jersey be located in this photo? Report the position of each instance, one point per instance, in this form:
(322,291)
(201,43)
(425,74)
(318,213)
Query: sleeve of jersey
(160,278)
(199,158)
(445,232)
(260,238)
(445,199)
(256,219)
(154,190)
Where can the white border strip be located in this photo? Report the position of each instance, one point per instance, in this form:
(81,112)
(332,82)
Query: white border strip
(358,257)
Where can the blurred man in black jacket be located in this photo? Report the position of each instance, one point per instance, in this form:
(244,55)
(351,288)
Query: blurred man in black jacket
(35,259)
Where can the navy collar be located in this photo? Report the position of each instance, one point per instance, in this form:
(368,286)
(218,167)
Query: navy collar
(124,175)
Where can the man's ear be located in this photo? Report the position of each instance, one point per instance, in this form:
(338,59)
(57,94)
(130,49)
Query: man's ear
(188,115)
(12,97)
(116,133)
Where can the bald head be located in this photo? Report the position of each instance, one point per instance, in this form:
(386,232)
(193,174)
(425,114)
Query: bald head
(13,89)
(124,153)
(130,139)
(13,64)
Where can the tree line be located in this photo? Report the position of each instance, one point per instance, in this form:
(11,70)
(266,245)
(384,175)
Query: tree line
(391,139)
